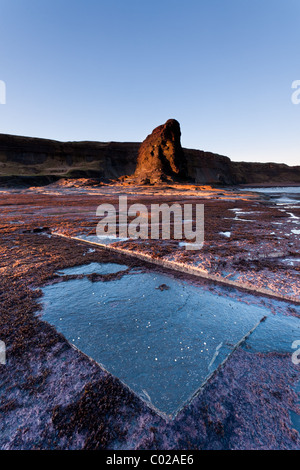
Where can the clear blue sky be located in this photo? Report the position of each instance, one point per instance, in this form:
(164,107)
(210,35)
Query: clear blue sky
(115,69)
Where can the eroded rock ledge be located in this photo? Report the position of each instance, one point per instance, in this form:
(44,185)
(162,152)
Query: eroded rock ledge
(160,158)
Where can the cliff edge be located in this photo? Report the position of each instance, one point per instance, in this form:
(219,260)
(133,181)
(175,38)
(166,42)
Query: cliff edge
(160,158)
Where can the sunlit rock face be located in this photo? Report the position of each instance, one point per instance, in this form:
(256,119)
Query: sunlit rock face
(27,161)
(160,156)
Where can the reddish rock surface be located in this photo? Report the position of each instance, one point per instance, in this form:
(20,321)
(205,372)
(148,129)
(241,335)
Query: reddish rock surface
(54,397)
(27,161)
(160,156)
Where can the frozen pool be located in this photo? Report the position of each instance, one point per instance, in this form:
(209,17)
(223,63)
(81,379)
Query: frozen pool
(161,336)
(277,333)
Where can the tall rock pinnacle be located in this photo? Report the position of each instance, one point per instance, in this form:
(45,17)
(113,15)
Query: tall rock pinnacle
(161,158)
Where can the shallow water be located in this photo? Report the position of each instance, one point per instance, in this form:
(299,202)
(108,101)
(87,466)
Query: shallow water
(104,240)
(98,268)
(275,189)
(282,196)
(163,343)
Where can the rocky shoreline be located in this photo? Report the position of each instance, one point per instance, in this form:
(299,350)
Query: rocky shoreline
(54,397)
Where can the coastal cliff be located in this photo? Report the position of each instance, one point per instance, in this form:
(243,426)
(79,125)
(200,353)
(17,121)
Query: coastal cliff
(33,161)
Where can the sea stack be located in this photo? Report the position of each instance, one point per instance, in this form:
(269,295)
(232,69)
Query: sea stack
(161,158)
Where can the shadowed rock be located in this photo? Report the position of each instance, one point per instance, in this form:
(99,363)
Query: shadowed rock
(27,161)
(160,156)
